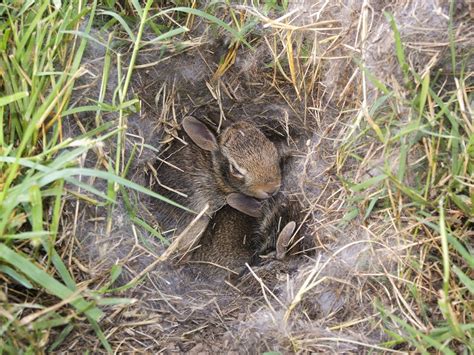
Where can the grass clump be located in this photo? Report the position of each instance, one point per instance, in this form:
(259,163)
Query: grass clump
(421,127)
(37,74)
(41,49)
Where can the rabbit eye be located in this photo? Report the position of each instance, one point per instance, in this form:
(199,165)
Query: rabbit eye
(235,172)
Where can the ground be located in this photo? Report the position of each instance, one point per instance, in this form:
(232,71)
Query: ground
(371,102)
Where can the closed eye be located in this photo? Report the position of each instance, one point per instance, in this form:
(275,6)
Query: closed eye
(235,172)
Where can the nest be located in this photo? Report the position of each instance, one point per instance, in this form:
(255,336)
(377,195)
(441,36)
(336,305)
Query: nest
(312,97)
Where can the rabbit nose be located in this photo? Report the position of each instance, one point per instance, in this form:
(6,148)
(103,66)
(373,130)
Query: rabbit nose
(267,191)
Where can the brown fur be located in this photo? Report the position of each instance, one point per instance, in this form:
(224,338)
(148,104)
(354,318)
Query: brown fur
(205,177)
(247,147)
(279,213)
(226,244)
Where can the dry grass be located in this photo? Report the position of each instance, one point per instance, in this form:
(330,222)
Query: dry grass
(377,108)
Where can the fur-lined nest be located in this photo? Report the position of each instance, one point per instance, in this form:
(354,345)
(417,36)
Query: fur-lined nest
(302,79)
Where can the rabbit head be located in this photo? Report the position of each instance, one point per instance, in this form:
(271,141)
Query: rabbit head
(243,159)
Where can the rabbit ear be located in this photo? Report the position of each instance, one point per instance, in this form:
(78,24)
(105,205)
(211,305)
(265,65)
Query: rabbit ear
(284,239)
(200,134)
(244,204)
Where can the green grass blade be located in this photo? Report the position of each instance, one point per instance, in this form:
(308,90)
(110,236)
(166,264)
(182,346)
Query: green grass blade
(368,183)
(50,284)
(122,22)
(100,335)
(12,98)
(66,173)
(165,36)
(466,280)
(61,337)
(425,85)
(16,276)
(444,246)
(236,34)
(25,235)
(398,47)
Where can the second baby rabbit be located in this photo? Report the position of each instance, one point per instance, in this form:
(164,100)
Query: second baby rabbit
(231,240)
(226,245)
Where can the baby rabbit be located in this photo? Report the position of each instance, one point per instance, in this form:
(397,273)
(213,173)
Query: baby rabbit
(236,167)
(226,245)
(231,240)
(283,230)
